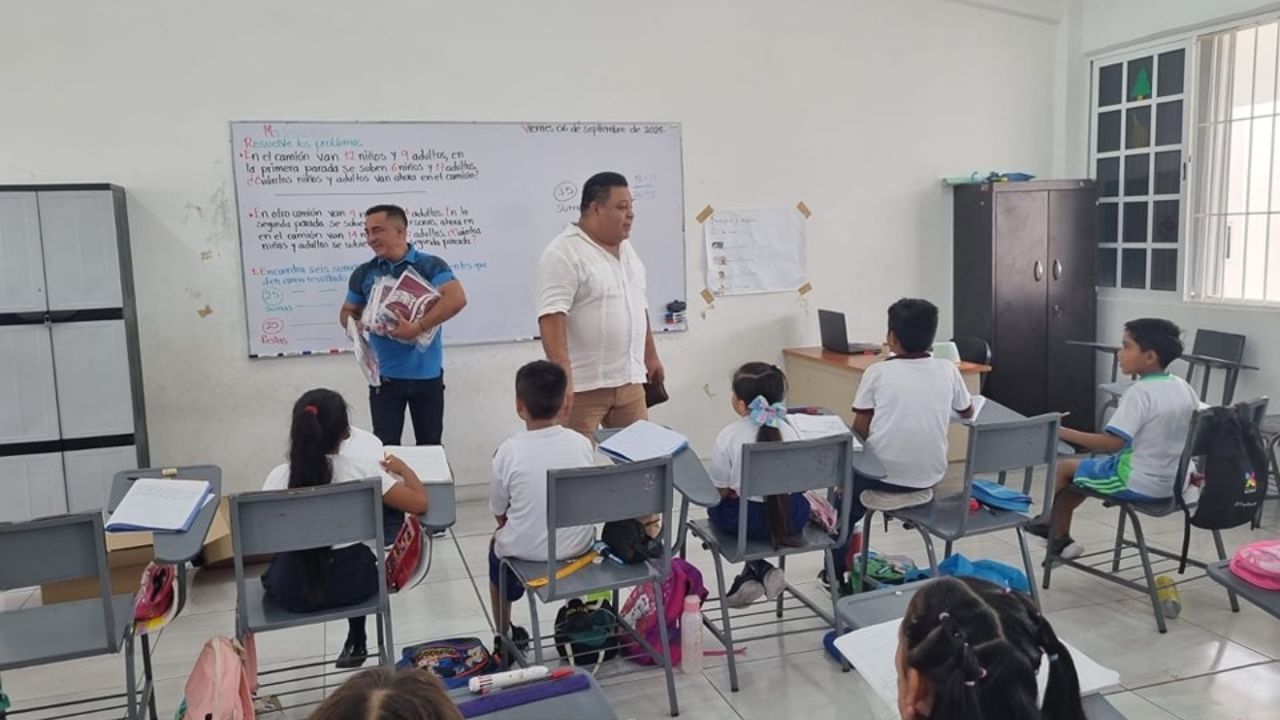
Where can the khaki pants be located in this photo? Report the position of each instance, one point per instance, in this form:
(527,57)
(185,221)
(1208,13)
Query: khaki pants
(611,407)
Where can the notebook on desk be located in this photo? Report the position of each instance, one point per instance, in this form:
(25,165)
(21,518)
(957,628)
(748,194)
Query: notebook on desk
(428,461)
(160,505)
(643,440)
(813,427)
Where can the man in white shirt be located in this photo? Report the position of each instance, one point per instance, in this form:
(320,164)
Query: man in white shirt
(593,314)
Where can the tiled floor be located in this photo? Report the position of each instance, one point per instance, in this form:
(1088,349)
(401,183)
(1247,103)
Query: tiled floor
(1211,664)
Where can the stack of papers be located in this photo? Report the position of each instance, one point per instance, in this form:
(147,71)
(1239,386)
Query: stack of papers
(871,652)
(643,440)
(812,427)
(160,505)
(428,461)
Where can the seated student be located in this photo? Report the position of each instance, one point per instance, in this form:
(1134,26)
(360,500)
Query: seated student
(518,490)
(328,577)
(904,406)
(759,391)
(970,650)
(1143,440)
(384,694)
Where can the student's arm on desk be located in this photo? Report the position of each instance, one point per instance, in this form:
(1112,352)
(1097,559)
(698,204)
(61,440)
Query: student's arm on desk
(408,496)
(1096,442)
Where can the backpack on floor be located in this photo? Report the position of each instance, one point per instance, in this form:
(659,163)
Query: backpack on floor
(1006,576)
(454,660)
(586,633)
(1235,474)
(641,611)
(1258,564)
(219,686)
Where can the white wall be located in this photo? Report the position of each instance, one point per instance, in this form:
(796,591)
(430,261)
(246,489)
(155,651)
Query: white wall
(1105,25)
(857,108)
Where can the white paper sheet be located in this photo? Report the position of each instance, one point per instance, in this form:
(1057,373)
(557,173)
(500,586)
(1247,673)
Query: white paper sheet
(755,251)
(160,505)
(871,651)
(812,427)
(643,440)
(428,461)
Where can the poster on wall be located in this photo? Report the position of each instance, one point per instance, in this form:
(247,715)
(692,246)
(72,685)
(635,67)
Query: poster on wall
(755,251)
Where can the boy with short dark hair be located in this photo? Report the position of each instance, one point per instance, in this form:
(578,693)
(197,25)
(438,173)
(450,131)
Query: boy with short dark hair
(904,407)
(1143,441)
(518,489)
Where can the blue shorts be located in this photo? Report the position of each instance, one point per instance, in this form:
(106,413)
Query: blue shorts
(515,589)
(1109,475)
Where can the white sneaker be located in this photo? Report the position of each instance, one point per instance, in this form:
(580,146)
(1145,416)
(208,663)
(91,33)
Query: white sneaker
(775,581)
(744,593)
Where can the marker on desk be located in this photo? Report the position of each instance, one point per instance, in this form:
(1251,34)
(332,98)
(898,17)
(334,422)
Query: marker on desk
(604,550)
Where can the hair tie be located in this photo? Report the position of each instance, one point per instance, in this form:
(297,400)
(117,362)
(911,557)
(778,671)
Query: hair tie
(765,414)
(942,616)
(311,409)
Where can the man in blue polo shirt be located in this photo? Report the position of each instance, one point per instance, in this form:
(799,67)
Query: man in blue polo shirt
(412,376)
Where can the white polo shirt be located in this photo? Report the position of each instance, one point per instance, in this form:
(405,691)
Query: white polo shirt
(345,469)
(603,298)
(519,491)
(913,399)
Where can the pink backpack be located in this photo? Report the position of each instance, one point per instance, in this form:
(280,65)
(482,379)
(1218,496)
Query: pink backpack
(641,611)
(221,684)
(1258,564)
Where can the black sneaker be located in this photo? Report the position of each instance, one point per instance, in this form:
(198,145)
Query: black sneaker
(1065,548)
(520,637)
(823,581)
(1038,527)
(353,656)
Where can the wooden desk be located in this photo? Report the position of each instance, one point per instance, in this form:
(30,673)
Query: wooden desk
(829,379)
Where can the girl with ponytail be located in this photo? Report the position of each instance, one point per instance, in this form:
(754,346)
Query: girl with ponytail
(759,395)
(970,650)
(328,577)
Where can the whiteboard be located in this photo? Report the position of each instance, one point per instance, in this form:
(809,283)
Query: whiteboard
(486,197)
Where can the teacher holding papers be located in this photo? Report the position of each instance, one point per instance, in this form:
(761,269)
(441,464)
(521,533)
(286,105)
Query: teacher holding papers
(593,314)
(412,372)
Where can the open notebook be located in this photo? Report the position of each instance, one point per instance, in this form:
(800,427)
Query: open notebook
(164,505)
(643,440)
(871,651)
(812,427)
(428,461)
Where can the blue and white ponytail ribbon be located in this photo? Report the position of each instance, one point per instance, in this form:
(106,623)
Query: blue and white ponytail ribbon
(766,415)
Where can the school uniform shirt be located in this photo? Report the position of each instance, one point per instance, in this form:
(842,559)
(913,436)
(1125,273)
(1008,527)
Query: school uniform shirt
(606,309)
(518,490)
(912,399)
(345,469)
(726,457)
(398,360)
(1153,417)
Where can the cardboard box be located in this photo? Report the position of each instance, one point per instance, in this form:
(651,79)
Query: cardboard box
(218,551)
(127,556)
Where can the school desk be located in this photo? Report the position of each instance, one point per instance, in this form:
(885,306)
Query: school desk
(1268,600)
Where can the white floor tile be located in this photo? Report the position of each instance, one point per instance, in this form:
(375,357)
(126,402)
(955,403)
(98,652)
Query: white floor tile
(1251,693)
(807,685)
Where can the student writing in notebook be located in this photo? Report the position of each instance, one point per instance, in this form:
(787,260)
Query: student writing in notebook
(759,393)
(328,577)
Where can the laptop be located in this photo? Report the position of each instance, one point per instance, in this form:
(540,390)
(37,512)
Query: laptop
(835,337)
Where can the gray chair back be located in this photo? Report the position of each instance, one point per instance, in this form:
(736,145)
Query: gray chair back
(1221,345)
(124,479)
(300,519)
(52,549)
(1002,447)
(776,468)
(587,496)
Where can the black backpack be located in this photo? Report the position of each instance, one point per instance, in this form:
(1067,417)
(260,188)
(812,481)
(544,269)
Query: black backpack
(586,634)
(1235,473)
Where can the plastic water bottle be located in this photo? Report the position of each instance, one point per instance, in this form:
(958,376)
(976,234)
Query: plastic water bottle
(691,635)
(1170,598)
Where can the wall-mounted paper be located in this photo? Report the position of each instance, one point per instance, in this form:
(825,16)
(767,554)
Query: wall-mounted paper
(755,251)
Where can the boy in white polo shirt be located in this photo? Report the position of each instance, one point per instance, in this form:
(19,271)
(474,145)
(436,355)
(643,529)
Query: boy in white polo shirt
(1144,438)
(518,490)
(903,408)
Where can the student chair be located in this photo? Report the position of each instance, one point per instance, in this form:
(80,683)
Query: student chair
(588,496)
(1270,430)
(277,521)
(775,468)
(68,547)
(994,448)
(1130,511)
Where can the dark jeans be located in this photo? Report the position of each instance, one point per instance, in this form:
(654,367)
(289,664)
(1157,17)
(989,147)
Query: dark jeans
(857,511)
(425,400)
(347,576)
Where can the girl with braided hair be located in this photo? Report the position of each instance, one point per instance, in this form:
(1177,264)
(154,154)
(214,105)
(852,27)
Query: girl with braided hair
(970,650)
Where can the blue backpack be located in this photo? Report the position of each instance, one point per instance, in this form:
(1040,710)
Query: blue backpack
(997,572)
(997,496)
